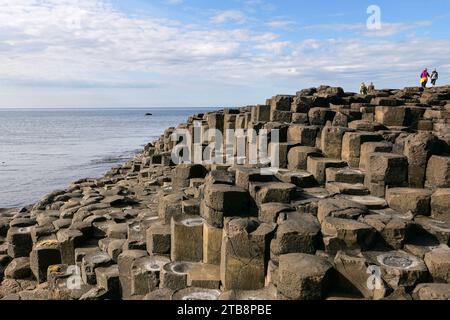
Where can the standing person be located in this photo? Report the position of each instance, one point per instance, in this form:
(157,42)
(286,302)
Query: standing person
(424,78)
(434,77)
(363,88)
(371,88)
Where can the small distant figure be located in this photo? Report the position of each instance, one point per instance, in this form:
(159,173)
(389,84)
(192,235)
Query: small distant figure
(371,88)
(363,88)
(434,77)
(424,78)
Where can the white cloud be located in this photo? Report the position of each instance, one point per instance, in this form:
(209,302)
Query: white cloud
(82,44)
(229,16)
(284,24)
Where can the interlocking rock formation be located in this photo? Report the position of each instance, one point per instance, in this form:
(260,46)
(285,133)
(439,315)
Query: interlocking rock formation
(359,208)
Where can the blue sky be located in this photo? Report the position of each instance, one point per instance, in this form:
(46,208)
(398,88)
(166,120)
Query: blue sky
(196,53)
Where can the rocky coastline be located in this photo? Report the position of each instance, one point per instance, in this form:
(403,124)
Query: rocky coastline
(359,209)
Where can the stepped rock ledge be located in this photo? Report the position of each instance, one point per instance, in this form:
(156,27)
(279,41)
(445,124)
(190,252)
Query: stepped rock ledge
(359,209)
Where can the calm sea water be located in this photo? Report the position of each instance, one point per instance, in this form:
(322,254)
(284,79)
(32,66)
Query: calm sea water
(45,149)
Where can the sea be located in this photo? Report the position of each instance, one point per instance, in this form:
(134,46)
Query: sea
(42,150)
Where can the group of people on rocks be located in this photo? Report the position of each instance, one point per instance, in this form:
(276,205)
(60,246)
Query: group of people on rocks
(424,76)
(367,89)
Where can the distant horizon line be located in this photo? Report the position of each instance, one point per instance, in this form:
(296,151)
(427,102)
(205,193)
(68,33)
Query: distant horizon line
(106,108)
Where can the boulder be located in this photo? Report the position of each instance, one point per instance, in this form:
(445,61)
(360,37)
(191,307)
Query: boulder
(275,192)
(298,157)
(298,233)
(304,135)
(158,239)
(221,201)
(438,263)
(244,254)
(43,255)
(18,268)
(342,234)
(186,238)
(303,276)
(418,149)
(399,268)
(409,199)
(432,291)
(440,204)
(331,141)
(340,208)
(317,167)
(438,172)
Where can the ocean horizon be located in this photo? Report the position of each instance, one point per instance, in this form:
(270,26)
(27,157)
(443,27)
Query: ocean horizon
(44,149)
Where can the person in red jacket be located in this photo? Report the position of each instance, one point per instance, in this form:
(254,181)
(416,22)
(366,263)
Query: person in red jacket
(424,78)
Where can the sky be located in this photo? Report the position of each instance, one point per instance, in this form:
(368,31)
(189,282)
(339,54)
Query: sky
(211,53)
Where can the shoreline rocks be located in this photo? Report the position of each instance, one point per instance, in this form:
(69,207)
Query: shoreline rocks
(359,208)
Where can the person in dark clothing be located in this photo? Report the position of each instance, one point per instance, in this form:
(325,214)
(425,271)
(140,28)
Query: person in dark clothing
(434,77)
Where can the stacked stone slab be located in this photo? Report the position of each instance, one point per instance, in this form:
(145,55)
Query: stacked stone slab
(359,208)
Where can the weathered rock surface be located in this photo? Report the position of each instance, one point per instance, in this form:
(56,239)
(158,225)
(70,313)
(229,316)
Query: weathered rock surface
(359,208)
